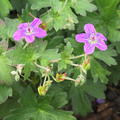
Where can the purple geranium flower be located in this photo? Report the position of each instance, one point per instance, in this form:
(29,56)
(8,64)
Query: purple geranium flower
(29,31)
(92,39)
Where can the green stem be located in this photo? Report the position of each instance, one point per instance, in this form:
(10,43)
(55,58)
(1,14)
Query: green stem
(75,57)
(42,67)
(44,80)
(67,78)
(53,77)
(30,14)
(26,44)
(76,65)
(27,78)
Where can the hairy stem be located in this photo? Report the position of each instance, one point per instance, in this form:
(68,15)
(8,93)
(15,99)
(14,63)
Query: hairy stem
(75,57)
(42,67)
(30,14)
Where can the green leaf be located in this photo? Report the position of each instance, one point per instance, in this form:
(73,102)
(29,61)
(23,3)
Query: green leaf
(8,27)
(62,20)
(117,44)
(60,16)
(28,55)
(5,92)
(5,7)
(38,48)
(18,5)
(50,54)
(99,72)
(107,8)
(5,71)
(65,19)
(55,41)
(20,55)
(23,56)
(38,4)
(25,14)
(107,56)
(91,88)
(79,101)
(81,6)
(31,109)
(55,4)
(7,106)
(81,95)
(65,55)
(27,70)
(114,34)
(115,73)
(57,97)
(60,99)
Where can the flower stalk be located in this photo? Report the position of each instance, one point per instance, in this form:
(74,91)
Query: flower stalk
(42,67)
(74,57)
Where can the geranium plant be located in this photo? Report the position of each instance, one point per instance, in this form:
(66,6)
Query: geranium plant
(44,65)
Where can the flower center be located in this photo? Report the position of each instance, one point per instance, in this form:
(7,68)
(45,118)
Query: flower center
(29,31)
(93,39)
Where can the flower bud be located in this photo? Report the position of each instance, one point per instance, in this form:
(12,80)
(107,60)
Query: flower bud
(17,77)
(43,26)
(60,77)
(80,80)
(13,72)
(86,64)
(42,90)
(19,68)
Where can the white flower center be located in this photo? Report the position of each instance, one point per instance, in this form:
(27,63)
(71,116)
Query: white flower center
(93,39)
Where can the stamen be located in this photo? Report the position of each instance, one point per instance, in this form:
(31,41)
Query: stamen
(92,39)
(29,30)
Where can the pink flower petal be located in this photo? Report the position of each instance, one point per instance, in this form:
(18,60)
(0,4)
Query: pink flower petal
(18,35)
(29,38)
(40,33)
(23,25)
(101,45)
(81,37)
(89,48)
(36,22)
(89,28)
(101,36)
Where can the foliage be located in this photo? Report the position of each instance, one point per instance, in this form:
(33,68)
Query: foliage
(36,110)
